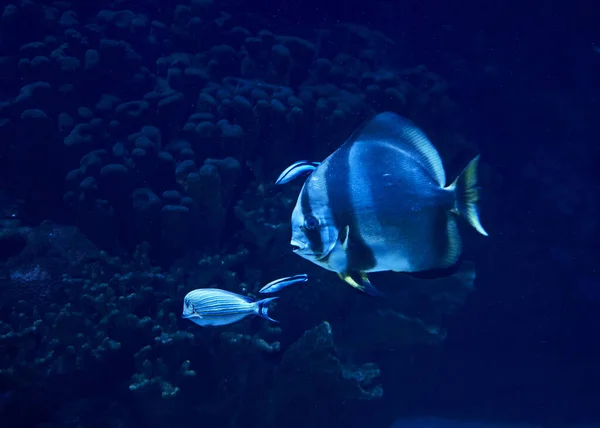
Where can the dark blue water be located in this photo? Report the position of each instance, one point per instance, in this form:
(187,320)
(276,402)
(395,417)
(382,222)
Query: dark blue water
(139,145)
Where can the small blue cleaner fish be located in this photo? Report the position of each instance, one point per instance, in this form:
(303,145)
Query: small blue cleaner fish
(296,170)
(278,284)
(381,202)
(214,307)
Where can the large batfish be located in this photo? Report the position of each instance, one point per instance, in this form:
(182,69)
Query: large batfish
(381,203)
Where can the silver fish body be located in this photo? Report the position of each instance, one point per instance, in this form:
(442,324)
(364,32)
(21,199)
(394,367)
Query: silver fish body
(278,284)
(215,307)
(380,203)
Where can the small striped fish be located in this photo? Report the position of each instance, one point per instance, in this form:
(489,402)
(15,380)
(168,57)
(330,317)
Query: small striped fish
(278,284)
(296,170)
(214,307)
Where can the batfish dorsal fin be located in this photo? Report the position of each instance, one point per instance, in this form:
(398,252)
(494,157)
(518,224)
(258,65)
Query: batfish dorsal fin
(404,135)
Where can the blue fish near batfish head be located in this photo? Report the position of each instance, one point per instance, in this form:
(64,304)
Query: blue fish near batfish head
(278,284)
(380,202)
(296,170)
(215,307)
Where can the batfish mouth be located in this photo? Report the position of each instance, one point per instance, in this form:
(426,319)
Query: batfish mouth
(305,251)
(297,246)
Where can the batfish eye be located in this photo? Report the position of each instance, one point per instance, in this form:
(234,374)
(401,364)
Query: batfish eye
(311,222)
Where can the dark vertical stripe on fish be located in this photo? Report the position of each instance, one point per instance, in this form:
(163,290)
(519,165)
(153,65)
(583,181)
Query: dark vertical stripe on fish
(359,256)
(313,235)
(380,158)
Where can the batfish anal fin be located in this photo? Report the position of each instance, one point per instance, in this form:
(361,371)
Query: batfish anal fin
(453,244)
(360,281)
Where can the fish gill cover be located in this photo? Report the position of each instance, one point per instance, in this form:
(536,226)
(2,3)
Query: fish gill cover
(140,143)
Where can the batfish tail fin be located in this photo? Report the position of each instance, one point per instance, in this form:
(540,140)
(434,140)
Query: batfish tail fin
(467,195)
(262,308)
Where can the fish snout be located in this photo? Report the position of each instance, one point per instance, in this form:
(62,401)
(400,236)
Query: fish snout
(297,246)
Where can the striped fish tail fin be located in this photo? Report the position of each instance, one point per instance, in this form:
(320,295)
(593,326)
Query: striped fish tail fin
(467,195)
(262,308)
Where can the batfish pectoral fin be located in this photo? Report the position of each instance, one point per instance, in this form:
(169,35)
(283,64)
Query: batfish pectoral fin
(360,281)
(356,279)
(343,237)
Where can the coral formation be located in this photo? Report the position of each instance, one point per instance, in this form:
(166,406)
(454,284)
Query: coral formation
(170,126)
(177,92)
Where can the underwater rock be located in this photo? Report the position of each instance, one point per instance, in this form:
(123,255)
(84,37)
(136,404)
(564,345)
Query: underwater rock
(146,207)
(315,360)
(316,353)
(208,213)
(80,135)
(175,224)
(50,250)
(132,111)
(230,172)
